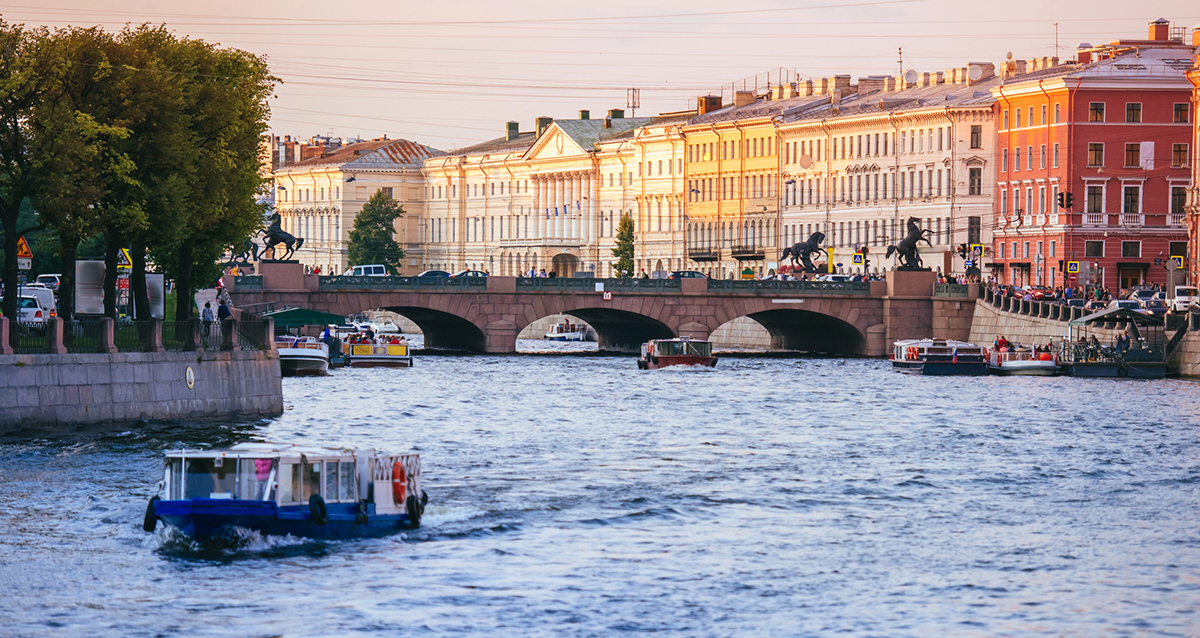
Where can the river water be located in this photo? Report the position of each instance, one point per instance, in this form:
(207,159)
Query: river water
(577,496)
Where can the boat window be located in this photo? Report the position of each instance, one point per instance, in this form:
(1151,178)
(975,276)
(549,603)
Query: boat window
(700,349)
(289,483)
(311,481)
(331,480)
(252,478)
(176,479)
(210,478)
(346,481)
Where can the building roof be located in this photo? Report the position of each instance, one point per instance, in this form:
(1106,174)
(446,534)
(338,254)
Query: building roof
(760,108)
(499,145)
(586,133)
(374,154)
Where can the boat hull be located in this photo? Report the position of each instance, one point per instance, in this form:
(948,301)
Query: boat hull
(1025,369)
(302,361)
(1118,370)
(202,518)
(659,362)
(379,362)
(942,368)
(565,336)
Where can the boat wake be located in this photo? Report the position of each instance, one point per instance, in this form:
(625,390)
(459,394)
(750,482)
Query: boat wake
(231,542)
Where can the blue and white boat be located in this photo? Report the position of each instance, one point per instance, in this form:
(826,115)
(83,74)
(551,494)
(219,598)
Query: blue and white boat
(280,489)
(938,357)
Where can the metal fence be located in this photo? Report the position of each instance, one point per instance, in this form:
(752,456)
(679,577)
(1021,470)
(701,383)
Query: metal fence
(29,338)
(857,288)
(178,335)
(83,335)
(252,334)
(134,336)
(248,282)
(952,291)
(342,282)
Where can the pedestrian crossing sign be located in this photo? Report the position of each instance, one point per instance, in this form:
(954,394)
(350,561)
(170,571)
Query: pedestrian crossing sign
(977,249)
(857,259)
(1073,267)
(23,248)
(1176,261)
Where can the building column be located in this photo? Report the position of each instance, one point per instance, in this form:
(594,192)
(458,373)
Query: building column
(570,192)
(539,207)
(585,218)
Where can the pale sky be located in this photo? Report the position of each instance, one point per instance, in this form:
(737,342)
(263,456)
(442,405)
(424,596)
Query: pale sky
(450,73)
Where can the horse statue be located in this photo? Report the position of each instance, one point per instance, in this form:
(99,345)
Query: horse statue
(907,248)
(800,251)
(243,254)
(275,235)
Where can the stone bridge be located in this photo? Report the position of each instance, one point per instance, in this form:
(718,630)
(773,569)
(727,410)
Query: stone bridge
(485,315)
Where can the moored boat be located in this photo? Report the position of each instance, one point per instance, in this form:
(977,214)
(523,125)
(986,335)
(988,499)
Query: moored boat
(1142,356)
(301,355)
(376,355)
(683,351)
(938,357)
(279,489)
(1019,361)
(566,332)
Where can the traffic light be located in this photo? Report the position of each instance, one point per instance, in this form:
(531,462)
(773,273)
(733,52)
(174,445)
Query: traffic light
(962,251)
(1069,197)
(1062,200)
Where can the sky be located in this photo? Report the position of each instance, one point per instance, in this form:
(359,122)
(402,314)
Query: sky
(450,73)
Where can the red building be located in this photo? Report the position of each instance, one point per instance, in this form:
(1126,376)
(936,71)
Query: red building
(1094,164)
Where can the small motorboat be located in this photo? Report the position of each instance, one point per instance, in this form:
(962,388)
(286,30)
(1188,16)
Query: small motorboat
(301,355)
(683,351)
(938,357)
(385,327)
(278,489)
(1019,360)
(566,332)
(391,353)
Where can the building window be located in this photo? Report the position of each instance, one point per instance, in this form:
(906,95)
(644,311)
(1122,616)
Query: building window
(1095,199)
(1181,113)
(1025,250)
(1132,200)
(1043,114)
(1018,113)
(1093,249)
(1133,112)
(1004,161)
(1178,200)
(975,181)
(1031,116)
(1133,154)
(1055,156)
(1004,202)
(1005,125)
(1043,157)
(1096,154)
(1017,159)
(1096,112)
(1029,164)
(387,191)
(1178,249)
(1056,112)
(1041,200)
(1053,248)
(1179,155)
(1131,249)
(976,136)
(1001,246)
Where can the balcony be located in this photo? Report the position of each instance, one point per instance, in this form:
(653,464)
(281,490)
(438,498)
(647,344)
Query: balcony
(1132,219)
(1175,219)
(747,253)
(704,254)
(1094,219)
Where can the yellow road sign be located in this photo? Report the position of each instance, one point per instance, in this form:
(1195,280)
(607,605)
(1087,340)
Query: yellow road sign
(23,248)
(977,249)
(857,259)
(1073,267)
(1177,260)
(123,260)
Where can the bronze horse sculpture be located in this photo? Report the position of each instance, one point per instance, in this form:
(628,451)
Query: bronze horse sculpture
(800,251)
(907,248)
(276,235)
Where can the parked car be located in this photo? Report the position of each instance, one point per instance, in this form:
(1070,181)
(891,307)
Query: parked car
(434,273)
(372,270)
(835,277)
(30,311)
(1185,296)
(686,274)
(44,295)
(1040,293)
(463,274)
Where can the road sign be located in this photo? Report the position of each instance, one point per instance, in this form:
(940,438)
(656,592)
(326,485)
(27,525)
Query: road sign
(607,296)
(1073,277)
(24,263)
(123,260)
(1073,267)
(1177,261)
(829,258)
(968,263)
(23,248)
(977,249)
(858,259)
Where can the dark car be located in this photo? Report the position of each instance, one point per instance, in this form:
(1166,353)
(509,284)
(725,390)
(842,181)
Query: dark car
(686,274)
(1076,303)
(1156,307)
(1041,293)
(468,273)
(434,273)
(1095,306)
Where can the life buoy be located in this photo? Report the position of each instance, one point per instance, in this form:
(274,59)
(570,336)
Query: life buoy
(413,506)
(317,509)
(399,483)
(151,519)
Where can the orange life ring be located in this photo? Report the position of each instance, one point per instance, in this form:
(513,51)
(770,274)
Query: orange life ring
(399,483)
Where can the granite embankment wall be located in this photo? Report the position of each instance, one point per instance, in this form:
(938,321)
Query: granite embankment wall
(76,389)
(991,322)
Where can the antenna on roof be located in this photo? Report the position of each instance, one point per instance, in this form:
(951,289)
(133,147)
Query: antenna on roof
(901,60)
(633,101)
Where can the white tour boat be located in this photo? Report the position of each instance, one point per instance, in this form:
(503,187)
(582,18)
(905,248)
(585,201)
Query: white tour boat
(1024,361)
(301,355)
(566,332)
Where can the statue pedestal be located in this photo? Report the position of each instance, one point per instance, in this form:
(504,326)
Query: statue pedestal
(910,283)
(282,275)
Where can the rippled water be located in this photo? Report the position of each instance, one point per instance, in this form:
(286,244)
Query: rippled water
(577,496)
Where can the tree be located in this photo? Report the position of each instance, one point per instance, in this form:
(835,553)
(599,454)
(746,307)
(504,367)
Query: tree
(372,241)
(624,249)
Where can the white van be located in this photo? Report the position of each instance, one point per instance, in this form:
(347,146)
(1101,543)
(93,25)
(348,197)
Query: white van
(1185,296)
(45,298)
(374,270)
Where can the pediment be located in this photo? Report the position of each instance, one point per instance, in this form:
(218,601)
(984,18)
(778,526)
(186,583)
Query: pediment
(974,160)
(554,143)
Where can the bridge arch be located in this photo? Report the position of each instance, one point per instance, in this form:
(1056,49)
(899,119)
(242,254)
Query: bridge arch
(444,330)
(808,331)
(616,330)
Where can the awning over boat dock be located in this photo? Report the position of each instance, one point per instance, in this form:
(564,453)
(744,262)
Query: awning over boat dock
(1118,314)
(300,317)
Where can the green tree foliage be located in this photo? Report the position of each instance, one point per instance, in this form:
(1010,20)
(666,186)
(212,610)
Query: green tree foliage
(372,241)
(624,249)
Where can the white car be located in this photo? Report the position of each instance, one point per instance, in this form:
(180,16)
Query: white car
(373,270)
(30,311)
(1185,296)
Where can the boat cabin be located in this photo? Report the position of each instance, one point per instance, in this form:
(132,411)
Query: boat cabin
(677,348)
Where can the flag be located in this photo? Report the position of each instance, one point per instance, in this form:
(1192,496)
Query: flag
(955,358)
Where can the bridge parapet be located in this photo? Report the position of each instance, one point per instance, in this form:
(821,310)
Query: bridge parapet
(753,286)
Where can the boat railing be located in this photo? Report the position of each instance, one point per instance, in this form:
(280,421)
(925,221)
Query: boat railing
(377,349)
(384,466)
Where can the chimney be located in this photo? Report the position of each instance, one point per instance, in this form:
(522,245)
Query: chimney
(835,97)
(871,84)
(841,82)
(1083,53)
(707,104)
(616,114)
(608,122)
(512,131)
(542,124)
(742,98)
(789,90)
(585,114)
(806,88)
(1160,29)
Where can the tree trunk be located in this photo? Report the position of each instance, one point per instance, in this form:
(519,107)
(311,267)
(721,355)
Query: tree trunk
(10,273)
(183,283)
(137,280)
(111,250)
(66,281)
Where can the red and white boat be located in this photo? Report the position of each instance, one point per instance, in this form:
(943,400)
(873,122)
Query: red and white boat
(661,353)
(1024,361)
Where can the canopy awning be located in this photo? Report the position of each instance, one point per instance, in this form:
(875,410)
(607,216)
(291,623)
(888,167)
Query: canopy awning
(300,317)
(1118,314)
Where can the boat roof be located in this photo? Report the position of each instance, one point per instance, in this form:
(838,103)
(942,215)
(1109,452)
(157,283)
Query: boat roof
(931,341)
(1118,314)
(300,317)
(680,339)
(266,449)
